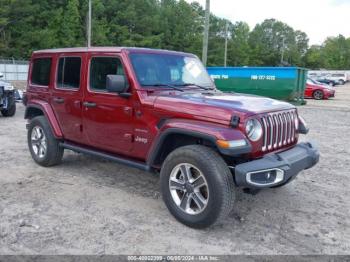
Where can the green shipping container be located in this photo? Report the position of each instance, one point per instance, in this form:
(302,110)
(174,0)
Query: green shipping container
(283,83)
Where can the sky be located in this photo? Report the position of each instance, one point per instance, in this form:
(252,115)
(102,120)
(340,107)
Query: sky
(317,18)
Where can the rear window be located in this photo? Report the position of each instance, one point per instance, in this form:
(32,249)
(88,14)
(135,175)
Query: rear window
(41,71)
(68,73)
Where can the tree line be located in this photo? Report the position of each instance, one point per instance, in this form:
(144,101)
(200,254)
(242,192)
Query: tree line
(27,25)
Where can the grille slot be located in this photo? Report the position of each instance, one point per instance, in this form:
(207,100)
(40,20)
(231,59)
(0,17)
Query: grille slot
(279,129)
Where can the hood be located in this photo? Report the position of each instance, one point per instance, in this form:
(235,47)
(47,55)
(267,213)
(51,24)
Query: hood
(3,83)
(218,105)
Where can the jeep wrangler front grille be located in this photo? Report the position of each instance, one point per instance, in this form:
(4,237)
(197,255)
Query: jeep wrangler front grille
(278,129)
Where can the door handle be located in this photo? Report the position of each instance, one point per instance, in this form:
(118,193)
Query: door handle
(89,104)
(58,100)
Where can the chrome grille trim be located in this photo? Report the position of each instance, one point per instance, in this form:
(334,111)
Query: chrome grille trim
(279,129)
(271,132)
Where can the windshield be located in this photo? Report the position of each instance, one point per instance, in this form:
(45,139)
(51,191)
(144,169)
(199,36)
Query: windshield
(169,70)
(311,81)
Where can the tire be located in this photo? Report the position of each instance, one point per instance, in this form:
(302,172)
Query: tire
(318,95)
(43,146)
(218,193)
(11,111)
(341,81)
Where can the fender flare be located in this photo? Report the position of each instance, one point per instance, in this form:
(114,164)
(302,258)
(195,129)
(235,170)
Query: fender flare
(173,127)
(49,114)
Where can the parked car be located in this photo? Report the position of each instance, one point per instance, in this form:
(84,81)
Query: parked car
(159,111)
(326,81)
(338,78)
(318,91)
(7,98)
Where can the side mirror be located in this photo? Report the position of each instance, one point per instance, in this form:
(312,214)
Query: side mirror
(1,75)
(116,83)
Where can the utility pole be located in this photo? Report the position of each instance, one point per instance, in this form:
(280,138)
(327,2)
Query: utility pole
(282,54)
(206,33)
(226,38)
(89,26)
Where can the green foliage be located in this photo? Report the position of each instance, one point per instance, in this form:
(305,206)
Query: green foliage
(27,25)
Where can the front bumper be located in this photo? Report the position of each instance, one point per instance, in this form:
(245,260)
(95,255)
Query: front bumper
(276,169)
(329,94)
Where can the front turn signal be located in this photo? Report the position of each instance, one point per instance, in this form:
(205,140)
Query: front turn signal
(231,144)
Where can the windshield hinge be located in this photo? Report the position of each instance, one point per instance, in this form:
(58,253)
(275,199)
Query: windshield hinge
(235,121)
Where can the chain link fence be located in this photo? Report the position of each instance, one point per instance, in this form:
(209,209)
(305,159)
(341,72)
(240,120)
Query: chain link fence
(14,70)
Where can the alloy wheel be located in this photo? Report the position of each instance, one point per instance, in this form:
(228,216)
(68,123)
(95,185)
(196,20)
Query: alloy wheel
(318,95)
(38,141)
(189,188)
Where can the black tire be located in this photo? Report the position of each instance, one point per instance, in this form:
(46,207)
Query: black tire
(11,111)
(221,188)
(318,95)
(341,81)
(54,152)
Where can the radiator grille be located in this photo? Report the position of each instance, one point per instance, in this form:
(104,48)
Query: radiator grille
(278,129)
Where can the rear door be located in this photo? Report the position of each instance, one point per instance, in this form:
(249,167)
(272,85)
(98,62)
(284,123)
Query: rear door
(107,117)
(67,95)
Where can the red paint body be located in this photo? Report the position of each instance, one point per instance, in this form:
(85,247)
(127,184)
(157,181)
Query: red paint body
(311,88)
(121,125)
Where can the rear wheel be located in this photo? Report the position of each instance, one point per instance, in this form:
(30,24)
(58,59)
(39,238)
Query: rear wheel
(341,81)
(197,186)
(11,111)
(43,146)
(318,95)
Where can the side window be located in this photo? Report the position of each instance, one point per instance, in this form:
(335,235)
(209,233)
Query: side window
(41,71)
(68,73)
(100,67)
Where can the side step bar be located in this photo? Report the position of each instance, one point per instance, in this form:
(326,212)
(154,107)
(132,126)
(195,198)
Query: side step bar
(107,156)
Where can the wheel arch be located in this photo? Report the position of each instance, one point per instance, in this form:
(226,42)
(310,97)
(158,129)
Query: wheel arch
(44,109)
(173,138)
(177,133)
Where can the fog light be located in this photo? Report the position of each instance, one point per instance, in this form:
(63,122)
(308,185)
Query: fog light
(265,177)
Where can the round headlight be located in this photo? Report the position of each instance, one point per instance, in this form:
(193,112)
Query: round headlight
(253,129)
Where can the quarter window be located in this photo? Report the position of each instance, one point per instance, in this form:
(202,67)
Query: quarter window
(41,71)
(68,74)
(100,67)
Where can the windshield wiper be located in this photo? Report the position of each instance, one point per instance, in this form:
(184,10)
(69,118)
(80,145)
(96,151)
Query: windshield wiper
(173,87)
(201,87)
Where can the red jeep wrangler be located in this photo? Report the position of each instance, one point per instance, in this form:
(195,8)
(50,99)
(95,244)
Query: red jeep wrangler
(159,111)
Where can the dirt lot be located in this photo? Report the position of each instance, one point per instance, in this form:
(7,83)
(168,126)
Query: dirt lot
(92,206)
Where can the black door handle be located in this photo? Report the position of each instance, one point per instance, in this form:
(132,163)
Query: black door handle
(89,104)
(58,100)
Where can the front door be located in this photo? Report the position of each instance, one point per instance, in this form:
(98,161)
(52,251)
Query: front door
(107,117)
(67,94)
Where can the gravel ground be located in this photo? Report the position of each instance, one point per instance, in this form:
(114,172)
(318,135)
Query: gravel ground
(92,206)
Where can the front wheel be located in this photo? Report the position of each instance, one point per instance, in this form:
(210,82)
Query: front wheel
(197,186)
